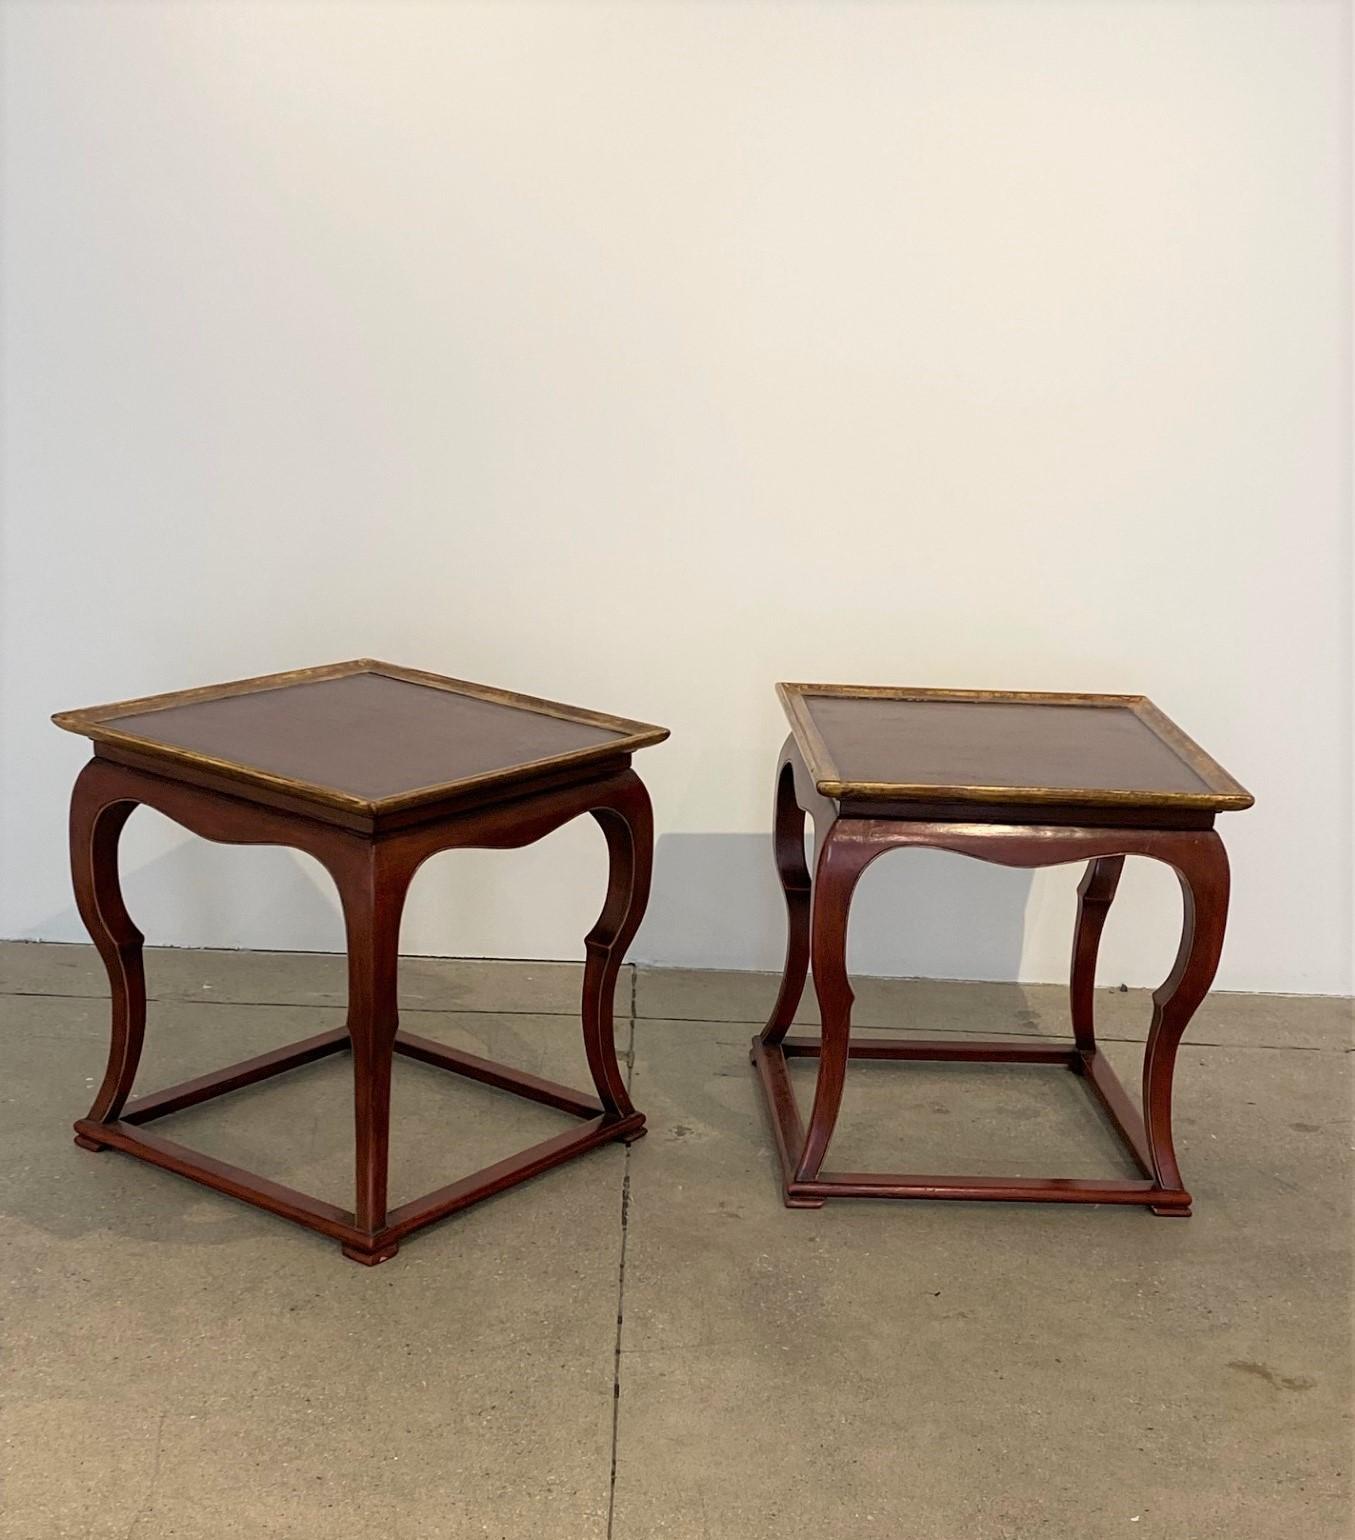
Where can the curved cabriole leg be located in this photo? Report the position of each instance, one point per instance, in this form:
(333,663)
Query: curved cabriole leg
(372,886)
(98,814)
(788,849)
(843,857)
(1094,894)
(627,821)
(1202,868)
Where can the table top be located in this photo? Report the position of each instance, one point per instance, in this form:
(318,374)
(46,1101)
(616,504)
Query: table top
(366,737)
(894,744)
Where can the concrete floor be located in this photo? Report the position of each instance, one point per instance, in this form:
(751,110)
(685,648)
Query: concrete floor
(645,1343)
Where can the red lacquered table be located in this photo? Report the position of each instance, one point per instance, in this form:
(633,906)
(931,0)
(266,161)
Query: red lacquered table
(1025,780)
(371,769)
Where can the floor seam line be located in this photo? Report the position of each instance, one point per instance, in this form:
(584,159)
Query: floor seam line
(621,1284)
(452,1010)
(961,1033)
(282,1005)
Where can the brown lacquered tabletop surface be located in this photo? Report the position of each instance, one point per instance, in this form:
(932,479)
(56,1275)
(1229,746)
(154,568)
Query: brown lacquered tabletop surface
(364,735)
(887,744)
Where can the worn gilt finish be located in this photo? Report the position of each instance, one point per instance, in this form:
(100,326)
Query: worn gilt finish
(372,869)
(1019,825)
(1220,793)
(100,723)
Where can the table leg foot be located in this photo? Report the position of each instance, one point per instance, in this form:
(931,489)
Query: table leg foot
(1174,1211)
(634,1134)
(799,1200)
(371,1258)
(86,1143)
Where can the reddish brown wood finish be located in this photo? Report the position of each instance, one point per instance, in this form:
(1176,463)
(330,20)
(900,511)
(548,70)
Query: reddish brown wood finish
(818,909)
(367,745)
(372,872)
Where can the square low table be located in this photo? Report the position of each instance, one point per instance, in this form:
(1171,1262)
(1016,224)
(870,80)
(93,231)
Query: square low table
(371,769)
(1025,780)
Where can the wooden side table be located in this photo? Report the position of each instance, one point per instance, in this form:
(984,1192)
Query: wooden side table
(1018,779)
(371,769)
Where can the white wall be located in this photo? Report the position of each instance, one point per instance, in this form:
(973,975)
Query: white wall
(642,354)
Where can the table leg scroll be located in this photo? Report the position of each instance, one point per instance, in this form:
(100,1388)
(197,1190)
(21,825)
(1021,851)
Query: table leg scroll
(788,844)
(842,859)
(627,820)
(99,810)
(1094,896)
(1202,867)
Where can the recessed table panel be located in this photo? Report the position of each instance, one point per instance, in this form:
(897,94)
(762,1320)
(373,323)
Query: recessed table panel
(958,746)
(364,734)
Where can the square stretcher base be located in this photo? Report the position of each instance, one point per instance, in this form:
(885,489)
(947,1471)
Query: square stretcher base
(129,1135)
(770,1062)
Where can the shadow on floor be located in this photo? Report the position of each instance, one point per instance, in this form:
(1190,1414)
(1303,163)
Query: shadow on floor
(716,903)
